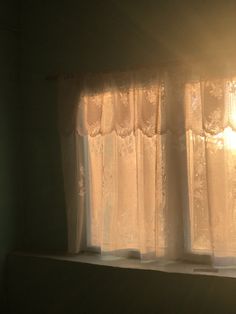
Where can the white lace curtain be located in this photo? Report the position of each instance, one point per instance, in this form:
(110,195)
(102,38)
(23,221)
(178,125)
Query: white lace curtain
(149,161)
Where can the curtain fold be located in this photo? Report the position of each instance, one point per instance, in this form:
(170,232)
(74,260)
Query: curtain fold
(212,155)
(149,161)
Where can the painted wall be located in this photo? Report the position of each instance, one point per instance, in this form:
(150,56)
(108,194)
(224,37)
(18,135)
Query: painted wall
(9,137)
(60,287)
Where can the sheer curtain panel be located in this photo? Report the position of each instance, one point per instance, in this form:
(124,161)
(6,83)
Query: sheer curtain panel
(149,162)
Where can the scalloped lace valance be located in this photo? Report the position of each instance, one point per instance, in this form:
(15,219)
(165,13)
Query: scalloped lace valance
(148,101)
(149,163)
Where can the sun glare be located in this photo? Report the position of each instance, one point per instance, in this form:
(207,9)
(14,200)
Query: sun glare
(230,139)
(226,139)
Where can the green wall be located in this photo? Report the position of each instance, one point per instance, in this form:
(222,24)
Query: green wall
(10,217)
(40,285)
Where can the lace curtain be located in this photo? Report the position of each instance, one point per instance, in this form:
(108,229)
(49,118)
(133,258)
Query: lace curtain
(149,161)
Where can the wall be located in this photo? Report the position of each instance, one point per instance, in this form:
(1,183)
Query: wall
(9,137)
(60,287)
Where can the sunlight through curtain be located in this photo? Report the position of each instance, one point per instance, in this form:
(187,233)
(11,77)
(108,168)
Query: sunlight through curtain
(149,162)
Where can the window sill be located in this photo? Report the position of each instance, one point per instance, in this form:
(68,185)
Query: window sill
(121,262)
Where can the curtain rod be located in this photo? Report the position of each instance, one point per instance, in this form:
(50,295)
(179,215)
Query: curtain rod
(206,61)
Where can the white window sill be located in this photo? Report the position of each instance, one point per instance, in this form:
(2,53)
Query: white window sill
(121,262)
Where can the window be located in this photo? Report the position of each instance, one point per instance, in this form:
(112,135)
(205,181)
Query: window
(149,161)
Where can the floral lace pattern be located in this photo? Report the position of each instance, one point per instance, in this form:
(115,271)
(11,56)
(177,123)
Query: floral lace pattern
(215,89)
(213,121)
(126,145)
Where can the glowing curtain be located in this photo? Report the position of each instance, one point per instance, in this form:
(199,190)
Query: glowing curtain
(149,163)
